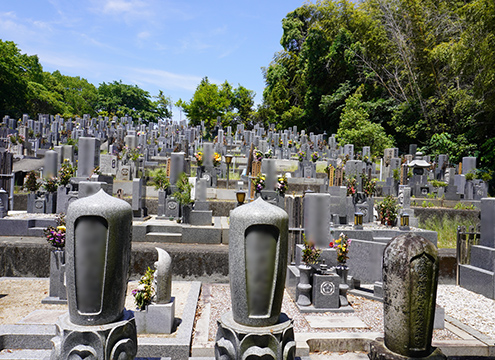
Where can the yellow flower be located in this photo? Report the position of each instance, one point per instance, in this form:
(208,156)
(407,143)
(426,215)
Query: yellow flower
(337,241)
(61,227)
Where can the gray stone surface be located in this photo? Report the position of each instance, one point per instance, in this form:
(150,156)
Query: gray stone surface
(97,258)
(163,277)
(488,222)
(410,276)
(258,244)
(156,318)
(317,218)
(89,156)
(326,291)
(50,167)
(236,341)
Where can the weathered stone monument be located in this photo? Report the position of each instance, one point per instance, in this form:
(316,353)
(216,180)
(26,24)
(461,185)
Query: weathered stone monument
(257,260)
(410,279)
(98,253)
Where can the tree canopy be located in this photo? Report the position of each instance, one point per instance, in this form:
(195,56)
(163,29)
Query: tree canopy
(26,88)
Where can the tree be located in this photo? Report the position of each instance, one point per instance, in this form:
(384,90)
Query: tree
(356,128)
(121,99)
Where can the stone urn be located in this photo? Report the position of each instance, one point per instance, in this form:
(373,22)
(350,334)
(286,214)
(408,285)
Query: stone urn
(304,287)
(342,270)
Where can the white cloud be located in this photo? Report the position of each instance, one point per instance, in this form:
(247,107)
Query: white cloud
(164,79)
(143,35)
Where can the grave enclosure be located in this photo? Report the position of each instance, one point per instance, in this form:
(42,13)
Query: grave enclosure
(278,187)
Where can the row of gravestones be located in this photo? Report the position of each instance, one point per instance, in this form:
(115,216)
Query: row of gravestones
(98,255)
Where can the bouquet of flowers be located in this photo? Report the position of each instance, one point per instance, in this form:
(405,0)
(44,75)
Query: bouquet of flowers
(369,187)
(388,210)
(342,246)
(282,185)
(328,168)
(67,171)
(314,157)
(351,186)
(217,159)
(269,154)
(199,158)
(301,155)
(145,291)
(289,144)
(280,143)
(257,155)
(310,253)
(56,236)
(259,182)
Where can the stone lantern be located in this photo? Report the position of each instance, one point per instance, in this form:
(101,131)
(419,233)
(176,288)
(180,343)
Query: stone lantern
(258,261)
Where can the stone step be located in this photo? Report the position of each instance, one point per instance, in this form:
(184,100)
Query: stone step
(164,237)
(36,231)
(16,354)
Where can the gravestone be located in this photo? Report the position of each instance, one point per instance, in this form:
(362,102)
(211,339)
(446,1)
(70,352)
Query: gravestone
(468,164)
(98,254)
(108,164)
(89,156)
(51,163)
(317,217)
(410,279)
(256,327)
(139,209)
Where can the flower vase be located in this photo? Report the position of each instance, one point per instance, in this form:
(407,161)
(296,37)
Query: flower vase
(57,274)
(304,287)
(342,271)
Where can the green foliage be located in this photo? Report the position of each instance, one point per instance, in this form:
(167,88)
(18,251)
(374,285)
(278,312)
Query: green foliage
(183,193)
(462,206)
(437,184)
(160,179)
(469,176)
(31,182)
(67,171)
(145,291)
(446,228)
(50,185)
(310,254)
(211,102)
(356,128)
(388,210)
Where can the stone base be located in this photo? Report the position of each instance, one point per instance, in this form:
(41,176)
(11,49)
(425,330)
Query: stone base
(156,319)
(378,351)
(54,300)
(117,340)
(311,309)
(235,341)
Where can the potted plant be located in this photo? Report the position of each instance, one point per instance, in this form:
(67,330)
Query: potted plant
(310,256)
(388,210)
(55,236)
(183,196)
(342,246)
(32,185)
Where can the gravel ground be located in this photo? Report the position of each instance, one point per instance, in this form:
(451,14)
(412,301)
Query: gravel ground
(469,308)
(369,311)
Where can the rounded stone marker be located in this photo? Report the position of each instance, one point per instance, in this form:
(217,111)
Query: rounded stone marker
(98,252)
(257,262)
(410,277)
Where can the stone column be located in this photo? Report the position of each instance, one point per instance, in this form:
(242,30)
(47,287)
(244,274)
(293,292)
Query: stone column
(257,260)
(98,251)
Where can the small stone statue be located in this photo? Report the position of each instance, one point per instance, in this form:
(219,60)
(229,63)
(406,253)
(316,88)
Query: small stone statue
(163,277)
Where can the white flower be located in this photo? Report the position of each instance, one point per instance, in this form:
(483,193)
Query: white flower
(141,287)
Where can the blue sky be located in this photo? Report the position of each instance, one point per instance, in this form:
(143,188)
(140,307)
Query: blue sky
(155,44)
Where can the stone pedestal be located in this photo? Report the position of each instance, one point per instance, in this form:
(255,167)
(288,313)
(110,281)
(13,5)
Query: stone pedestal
(117,340)
(58,293)
(156,319)
(378,351)
(235,341)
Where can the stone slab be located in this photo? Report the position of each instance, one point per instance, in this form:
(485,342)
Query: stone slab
(42,317)
(334,322)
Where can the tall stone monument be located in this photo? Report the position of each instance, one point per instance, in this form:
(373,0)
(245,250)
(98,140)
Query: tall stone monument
(98,251)
(257,259)
(410,279)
